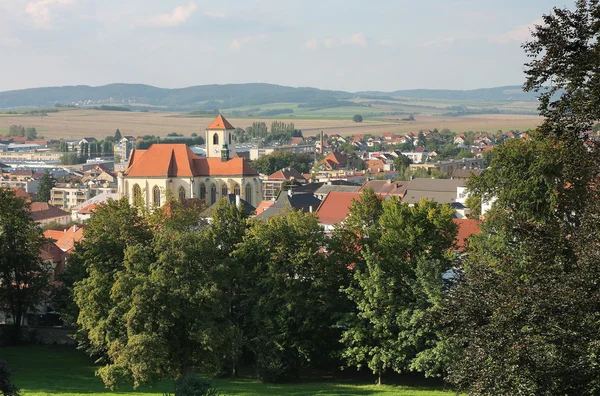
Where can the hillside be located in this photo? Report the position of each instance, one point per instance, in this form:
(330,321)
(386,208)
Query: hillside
(218,97)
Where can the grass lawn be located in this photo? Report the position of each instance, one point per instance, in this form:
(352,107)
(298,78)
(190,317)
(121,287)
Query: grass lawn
(58,370)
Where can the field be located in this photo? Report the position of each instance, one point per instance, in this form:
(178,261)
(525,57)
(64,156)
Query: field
(76,124)
(49,370)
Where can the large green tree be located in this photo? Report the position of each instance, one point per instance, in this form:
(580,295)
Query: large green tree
(23,276)
(400,280)
(292,296)
(271,163)
(47,182)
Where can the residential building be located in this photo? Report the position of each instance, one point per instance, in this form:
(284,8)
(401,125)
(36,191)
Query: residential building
(386,188)
(67,196)
(328,187)
(122,148)
(288,201)
(165,170)
(418,155)
(44,214)
(272,184)
(335,208)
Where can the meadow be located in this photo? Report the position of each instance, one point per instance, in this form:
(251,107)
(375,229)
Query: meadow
(79,123)
(51,370)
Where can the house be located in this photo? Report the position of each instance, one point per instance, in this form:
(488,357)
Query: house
(44,214)
(173,169)
(466,228)
(328,187)
(20,193)
(386,188)
(465,173)
(273,183)
(335,160)
(67,196)
(376,165)
(335,208)
(418,155)
(296,141)
(70,236)
(287,201)
(460,139)
(55,259)
(264,205)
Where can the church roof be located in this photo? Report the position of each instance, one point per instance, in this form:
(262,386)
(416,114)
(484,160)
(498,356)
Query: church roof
(177,160)
(220,123)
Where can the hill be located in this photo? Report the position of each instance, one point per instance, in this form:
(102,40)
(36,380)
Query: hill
(217,97)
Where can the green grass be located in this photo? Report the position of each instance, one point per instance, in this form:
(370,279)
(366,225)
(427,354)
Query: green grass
(59,370)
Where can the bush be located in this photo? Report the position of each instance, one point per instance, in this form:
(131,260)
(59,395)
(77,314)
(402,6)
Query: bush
(272,368)
(194,385)
(7,388)
(357,118)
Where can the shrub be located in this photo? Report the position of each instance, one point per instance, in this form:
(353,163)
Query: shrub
(7,388)
(194,385)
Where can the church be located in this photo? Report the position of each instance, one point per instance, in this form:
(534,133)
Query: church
(166,171)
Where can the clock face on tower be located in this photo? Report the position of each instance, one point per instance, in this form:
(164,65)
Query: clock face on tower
(215,150)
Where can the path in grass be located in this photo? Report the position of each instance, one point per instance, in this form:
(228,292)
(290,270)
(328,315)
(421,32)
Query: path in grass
(58,370)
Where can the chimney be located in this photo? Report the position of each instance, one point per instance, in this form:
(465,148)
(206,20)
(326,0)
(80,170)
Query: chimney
(289,192)
(74,227)
(237,201)
(310,209)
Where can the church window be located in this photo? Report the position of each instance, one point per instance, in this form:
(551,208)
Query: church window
(203,191)
(181,194)
(216,138)
(236,189)
(213,194)
(249,193)
(156,196)
(230,139)
(223,190)
(137,195)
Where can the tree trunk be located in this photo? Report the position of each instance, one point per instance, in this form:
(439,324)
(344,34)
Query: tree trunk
(16,328)
(379,379)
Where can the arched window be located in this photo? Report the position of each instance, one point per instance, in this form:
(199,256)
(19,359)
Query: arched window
(156,196)
(223,190)
(181,194)
(249,193)
(230,139)
(203,191)
(216,138)
(137,195)
(213,194)
(236,189)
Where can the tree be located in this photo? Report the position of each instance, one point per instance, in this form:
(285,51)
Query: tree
(399,282)
(112,228)
(31,133)
(118,136)
(271,163)
(47,182)
(564,68)
(293,296)
(23,276)
(7,388)
(421,139)
(401,163)
(357,118)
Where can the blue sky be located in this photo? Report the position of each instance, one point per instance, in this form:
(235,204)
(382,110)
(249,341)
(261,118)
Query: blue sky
(348,45)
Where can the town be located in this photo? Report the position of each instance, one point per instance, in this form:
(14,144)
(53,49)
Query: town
(205,236)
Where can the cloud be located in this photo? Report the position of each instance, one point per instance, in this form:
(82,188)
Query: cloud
(355,39)
(178,16)
(237,44)
(215,14)
(520,33)
(312,44)
(41,11)
(385,43)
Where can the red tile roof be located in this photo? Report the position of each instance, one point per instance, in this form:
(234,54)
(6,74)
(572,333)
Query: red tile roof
(71,235)
(466,228)
(177,160)
(20,193)
(53,234)
(220,123)
(286,174)
(88,209)
(336,206)
(263,206)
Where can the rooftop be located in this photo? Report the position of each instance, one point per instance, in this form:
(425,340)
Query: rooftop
(336,206)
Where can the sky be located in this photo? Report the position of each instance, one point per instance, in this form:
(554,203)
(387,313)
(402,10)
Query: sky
(349,45)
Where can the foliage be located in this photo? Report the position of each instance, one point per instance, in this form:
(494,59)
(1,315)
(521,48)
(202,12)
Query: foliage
(118,135)
(357,118)
(293,297)
(23,275)
(7,388)
(564,68)
(112,228)
(398,282)
(271,163)
(71,159)
(194,385)
(47,182)
(148,141)
(401,163)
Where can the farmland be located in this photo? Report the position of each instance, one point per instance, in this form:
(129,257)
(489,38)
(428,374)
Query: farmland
(78,123)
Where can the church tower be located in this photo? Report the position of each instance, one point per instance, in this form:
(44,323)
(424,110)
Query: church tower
(220,136)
